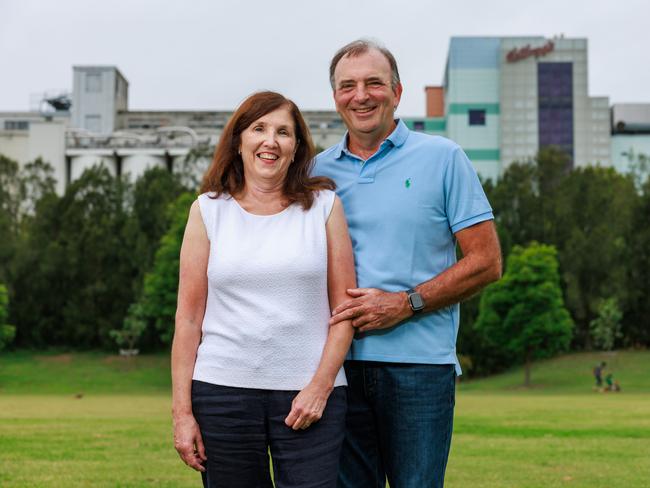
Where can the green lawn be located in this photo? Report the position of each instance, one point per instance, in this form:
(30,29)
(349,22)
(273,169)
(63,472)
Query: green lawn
(97,420)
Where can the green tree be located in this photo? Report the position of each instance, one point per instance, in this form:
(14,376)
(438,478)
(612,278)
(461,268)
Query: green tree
(636,320)
(523,202)
(99,268)
(523,314)
(152,194)
(11,190)
(523,198)
(21,191)
(74,272)
(36,282)
(7,332)
(158,302)
(132,328)
(516,206)
(148,221)
(638,167)
(22,188)
(10,198)
(37,181)
(593,221)
(606,328)
(483,358)
(553,168)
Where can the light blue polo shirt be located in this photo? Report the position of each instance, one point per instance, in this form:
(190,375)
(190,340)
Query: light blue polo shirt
(403,206)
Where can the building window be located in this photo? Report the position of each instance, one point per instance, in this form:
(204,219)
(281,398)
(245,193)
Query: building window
(93,123)
(418,125)
(477,117)
(93,83)
(16,125)
(555,106)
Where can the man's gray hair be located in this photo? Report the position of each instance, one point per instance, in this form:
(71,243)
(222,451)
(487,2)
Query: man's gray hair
(362,46)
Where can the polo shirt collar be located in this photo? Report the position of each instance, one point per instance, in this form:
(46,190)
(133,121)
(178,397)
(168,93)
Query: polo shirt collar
(399,135)
(396,138)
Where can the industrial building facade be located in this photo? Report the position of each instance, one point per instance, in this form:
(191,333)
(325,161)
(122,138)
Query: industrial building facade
(501,100)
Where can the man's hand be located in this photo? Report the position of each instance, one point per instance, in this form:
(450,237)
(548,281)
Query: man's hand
(372,309)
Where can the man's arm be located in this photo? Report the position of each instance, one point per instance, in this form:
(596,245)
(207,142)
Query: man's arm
(371,308)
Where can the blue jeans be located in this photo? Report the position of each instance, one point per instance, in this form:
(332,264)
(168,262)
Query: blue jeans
(240,425)
(398,425)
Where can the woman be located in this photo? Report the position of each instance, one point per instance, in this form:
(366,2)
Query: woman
(266,256)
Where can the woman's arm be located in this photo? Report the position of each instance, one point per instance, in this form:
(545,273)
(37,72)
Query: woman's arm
(192,293)
(309,404)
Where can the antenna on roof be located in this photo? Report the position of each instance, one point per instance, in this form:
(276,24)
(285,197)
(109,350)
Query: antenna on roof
(52,101)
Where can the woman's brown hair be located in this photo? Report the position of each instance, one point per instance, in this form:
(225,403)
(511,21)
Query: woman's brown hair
(226,173)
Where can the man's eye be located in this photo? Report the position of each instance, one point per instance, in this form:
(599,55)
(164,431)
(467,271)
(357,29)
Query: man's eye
(375,83)
(346,87)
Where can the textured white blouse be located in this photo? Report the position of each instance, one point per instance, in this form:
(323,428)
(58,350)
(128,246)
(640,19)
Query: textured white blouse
(267,310)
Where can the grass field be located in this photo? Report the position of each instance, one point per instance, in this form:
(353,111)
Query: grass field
(103,421)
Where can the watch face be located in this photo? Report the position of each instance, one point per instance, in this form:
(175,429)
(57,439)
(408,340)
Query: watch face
(416,301)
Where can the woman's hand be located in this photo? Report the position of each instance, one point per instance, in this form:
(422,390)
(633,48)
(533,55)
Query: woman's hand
(188,441)
(308,406)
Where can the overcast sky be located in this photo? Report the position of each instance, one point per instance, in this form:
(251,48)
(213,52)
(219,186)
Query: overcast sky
(209,55)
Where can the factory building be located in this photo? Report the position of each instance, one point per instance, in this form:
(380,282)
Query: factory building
(94,126)
(501,100)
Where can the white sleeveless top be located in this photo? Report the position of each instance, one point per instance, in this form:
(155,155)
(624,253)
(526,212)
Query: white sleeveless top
(267,311)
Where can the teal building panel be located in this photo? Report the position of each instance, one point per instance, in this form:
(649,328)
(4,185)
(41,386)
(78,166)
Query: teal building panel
(429,125)
(464,108)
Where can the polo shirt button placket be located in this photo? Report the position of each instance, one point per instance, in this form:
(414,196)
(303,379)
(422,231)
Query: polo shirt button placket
(367,171)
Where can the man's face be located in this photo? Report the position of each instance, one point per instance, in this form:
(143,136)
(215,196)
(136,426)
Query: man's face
(363,94)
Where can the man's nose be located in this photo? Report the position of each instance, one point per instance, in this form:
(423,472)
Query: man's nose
(361,93)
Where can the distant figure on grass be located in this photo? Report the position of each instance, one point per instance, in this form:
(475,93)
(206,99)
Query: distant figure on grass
(598,375)
(612,384)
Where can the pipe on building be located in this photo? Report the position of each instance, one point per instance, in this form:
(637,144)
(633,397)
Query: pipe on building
(184,130)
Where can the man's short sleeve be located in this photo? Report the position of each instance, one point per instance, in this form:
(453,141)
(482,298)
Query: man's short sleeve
(465,199)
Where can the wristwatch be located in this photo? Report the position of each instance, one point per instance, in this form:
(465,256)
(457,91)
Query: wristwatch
(415,300)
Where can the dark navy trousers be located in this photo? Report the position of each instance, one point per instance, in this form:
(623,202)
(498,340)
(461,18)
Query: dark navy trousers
(398,426)
(240,425)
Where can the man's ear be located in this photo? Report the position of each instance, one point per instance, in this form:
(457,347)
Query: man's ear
(398,94)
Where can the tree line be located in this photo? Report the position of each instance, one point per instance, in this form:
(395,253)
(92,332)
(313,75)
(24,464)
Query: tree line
(74,264)
(596,222)
(99,264)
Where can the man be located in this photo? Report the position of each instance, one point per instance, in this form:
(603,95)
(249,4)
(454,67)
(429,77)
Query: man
(408,198)
(598,374)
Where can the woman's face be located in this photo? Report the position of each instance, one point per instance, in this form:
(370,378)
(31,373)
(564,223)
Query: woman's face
(268,146)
